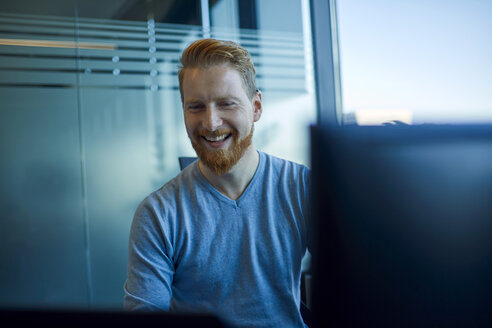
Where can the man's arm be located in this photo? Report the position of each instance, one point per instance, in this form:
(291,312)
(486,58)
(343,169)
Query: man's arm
(150,266)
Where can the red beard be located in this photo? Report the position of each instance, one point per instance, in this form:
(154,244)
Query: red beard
(222,160)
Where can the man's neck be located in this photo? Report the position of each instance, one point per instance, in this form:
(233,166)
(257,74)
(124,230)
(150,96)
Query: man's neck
(233,183)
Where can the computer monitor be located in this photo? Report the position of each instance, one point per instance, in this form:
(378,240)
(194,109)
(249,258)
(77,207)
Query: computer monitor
(98,318)
(402,226)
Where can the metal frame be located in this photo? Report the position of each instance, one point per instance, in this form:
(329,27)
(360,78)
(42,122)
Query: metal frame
(326,61)
(205,9)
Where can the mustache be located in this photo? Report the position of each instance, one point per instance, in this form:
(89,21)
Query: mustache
(213,134)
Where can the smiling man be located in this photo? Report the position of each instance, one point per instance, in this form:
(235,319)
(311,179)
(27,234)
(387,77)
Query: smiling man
(227,235)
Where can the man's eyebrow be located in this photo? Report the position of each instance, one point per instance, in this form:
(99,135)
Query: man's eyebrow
(228,97)
(191,101)
(221,98)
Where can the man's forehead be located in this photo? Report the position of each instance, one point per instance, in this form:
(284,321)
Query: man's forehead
(221,80)
(225,68)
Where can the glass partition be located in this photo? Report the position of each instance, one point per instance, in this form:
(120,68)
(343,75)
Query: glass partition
(42,227)
(91,122)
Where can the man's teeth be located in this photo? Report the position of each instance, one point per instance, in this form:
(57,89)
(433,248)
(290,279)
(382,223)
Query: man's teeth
(215,139)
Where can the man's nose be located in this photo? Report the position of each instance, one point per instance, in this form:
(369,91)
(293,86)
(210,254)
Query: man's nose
(212,120)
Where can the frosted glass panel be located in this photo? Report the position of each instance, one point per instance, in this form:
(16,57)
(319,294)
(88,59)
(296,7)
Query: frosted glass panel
(126,137)
(42,227)
(42,239)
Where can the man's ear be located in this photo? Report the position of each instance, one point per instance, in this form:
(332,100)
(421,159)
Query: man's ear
(257,106)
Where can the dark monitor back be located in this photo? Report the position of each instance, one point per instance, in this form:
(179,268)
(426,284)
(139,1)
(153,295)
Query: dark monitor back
(120,319)
(402,226)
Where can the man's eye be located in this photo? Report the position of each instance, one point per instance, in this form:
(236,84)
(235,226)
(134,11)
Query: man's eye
(226,104)
(194,107)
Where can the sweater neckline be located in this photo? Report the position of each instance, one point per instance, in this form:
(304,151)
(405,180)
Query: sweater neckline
(220,195)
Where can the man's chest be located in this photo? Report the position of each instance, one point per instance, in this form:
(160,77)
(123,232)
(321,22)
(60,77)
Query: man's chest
(236,249)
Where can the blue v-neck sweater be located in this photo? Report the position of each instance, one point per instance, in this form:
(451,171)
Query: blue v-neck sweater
(192,249)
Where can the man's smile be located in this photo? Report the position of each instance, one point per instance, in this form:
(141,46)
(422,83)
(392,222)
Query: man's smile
(217,138)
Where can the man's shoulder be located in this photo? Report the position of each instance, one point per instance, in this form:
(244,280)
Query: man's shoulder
(184,179)
(170,192)
(277,163)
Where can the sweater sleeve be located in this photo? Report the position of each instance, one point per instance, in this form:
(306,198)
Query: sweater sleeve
(150,265)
